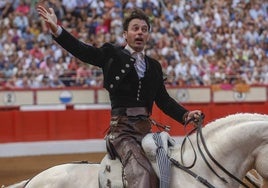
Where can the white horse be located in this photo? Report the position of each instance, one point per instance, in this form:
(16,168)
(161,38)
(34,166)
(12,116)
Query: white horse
(238,142)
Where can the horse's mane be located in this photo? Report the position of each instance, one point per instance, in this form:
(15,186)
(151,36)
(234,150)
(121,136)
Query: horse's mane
(234,119)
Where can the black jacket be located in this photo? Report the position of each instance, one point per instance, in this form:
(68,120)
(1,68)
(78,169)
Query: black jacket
(120,77)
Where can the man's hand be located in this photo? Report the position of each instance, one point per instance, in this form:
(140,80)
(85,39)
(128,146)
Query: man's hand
(49,17)
(194,115)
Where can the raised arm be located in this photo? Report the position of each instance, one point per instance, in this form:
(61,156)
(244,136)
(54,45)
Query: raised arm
(49,17)
(87,53)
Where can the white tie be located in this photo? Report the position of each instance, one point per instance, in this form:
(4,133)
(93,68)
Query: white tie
(139,64)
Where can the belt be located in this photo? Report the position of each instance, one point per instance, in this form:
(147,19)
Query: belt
(133,111)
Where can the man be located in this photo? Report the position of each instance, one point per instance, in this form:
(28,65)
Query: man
(134,82)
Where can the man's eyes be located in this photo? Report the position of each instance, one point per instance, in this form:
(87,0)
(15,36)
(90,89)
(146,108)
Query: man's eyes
(144,29)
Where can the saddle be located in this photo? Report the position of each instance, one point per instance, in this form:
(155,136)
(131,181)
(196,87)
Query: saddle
(111,173)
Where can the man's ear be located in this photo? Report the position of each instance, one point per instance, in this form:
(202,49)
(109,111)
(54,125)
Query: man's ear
(124,35)
(148,38)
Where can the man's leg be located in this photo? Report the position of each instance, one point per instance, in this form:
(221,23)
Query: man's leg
(137,168)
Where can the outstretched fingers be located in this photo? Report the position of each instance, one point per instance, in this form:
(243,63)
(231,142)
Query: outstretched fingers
(46,13)
(42,11)
(49,16)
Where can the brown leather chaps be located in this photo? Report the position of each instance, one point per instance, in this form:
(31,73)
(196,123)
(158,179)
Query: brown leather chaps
(124,141)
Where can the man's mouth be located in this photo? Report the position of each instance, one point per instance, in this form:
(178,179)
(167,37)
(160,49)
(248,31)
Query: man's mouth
(138,40)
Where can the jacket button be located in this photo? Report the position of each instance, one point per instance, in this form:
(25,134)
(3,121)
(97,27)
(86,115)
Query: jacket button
(127,65)
(117,78)
(111,86)
(112,137)
(123,71)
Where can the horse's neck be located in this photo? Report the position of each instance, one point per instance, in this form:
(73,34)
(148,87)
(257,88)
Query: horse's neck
(233,142)
(235,132)
(233,120)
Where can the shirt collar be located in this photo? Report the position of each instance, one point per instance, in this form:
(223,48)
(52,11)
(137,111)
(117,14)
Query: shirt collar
(127,47)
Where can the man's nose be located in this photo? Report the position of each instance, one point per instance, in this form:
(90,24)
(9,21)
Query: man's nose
(140,31)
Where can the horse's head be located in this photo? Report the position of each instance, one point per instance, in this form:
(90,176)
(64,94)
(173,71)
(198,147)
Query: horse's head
(223,151)
(237,142)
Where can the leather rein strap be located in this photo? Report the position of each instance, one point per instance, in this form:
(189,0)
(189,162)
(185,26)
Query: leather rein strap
(197,177)
(199,134)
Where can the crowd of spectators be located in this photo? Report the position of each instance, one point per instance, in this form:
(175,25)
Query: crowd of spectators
(198,42)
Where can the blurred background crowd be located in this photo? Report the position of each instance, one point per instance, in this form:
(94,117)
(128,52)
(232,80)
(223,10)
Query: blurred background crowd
(198,42)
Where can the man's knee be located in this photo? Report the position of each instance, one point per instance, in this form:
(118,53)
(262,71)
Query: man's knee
(138,172)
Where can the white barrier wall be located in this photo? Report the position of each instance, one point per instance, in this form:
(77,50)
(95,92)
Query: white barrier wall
(16,98)
(191,95)
(255,94)
(100,96)
(65,97)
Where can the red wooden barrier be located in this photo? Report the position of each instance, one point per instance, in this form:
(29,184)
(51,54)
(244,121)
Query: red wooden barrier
(23,126)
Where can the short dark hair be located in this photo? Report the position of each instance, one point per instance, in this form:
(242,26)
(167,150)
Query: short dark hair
(136,14)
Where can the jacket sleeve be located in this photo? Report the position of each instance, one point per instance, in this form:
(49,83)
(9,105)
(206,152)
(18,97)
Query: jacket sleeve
(85,52)
(167,104)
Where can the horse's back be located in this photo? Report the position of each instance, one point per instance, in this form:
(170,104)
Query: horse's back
(67,175)
(17,185)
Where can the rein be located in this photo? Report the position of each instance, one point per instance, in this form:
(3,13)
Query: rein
(199,132)
(197,177)
(198,129)
(176,163)
(187,168)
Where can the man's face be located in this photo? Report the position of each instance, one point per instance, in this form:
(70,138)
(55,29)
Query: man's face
(137,34)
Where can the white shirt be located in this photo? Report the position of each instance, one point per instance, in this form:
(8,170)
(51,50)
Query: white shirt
(127,47)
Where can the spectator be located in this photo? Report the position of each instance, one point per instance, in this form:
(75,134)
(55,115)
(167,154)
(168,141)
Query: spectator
(21,21)
(36,52)
(23,7)
(55,82)
(196,29)
(6,8)
(81,82)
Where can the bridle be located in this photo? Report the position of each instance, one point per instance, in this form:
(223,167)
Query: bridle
(199,135)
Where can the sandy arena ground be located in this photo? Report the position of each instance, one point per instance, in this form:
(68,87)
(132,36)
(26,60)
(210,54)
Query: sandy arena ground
(16,169)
